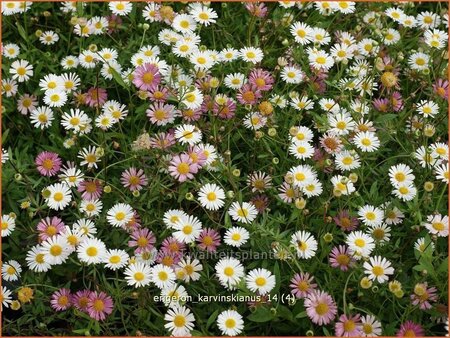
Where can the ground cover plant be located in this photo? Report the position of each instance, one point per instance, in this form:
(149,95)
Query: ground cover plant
(224,168)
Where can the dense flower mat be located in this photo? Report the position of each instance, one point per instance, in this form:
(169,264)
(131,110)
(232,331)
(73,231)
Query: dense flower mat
(224,168)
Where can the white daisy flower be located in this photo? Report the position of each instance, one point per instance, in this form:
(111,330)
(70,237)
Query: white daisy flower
(401,174)
(228,55)
(211,196)
(347,160)
(343,185)
(55,98)
(162,276)
(90,156)
(301,150)
(437,225)
(41,117)
(235,80)
(370,215)
(120,214)
(11,271)
(366,141)
(188,134)
(302,175)
(180,321)
(55,250)
(172,217)
(49,38)
(260,280)
(187,229)
(236,236)
(291,74)
(8,225)
(378,268)
(305,244)
(251,54)
(230,323)
(5,296)
(230,272)
(174,295)
(187,269)
(360,244)
(138,274)
(121,8)
(406,192)
(21,70)
(11,50)
(202,14)
(91,207)
(59,196)
(91,251)
(302,32)
(243,212)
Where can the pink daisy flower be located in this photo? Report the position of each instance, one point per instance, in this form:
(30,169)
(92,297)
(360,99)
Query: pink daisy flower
(99,305)
(207,104)
(168,258)
(143,239)
(134,223)
(345,221)
(396,101)
(258,9)
(173,245)
(191,115)
(163,140)
(261,79)
(288,192)
(197,156)
(114,21)
(48,163)
(348,326)
(182,167)
(248,94)
(133,179)
(159,94)
(410,329)
(26,103)
(225,111)
(261,202)
(302,285)
(81,299)
(61,300)
(424,296)
(381,104)
(208,240)
(146,77)
(440,88)
(96,97)
(90,189)
(341,257)
(320,307)
(161,114)
(331,143)
(49,227)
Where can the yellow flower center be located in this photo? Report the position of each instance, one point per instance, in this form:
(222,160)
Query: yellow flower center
(139,276)
(92,251)
(321,309)
(58,197)
(228,271)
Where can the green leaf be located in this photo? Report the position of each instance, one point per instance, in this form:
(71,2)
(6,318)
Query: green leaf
(302,314)
(261,315)
(22,32)
(212,318)
(118,78)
